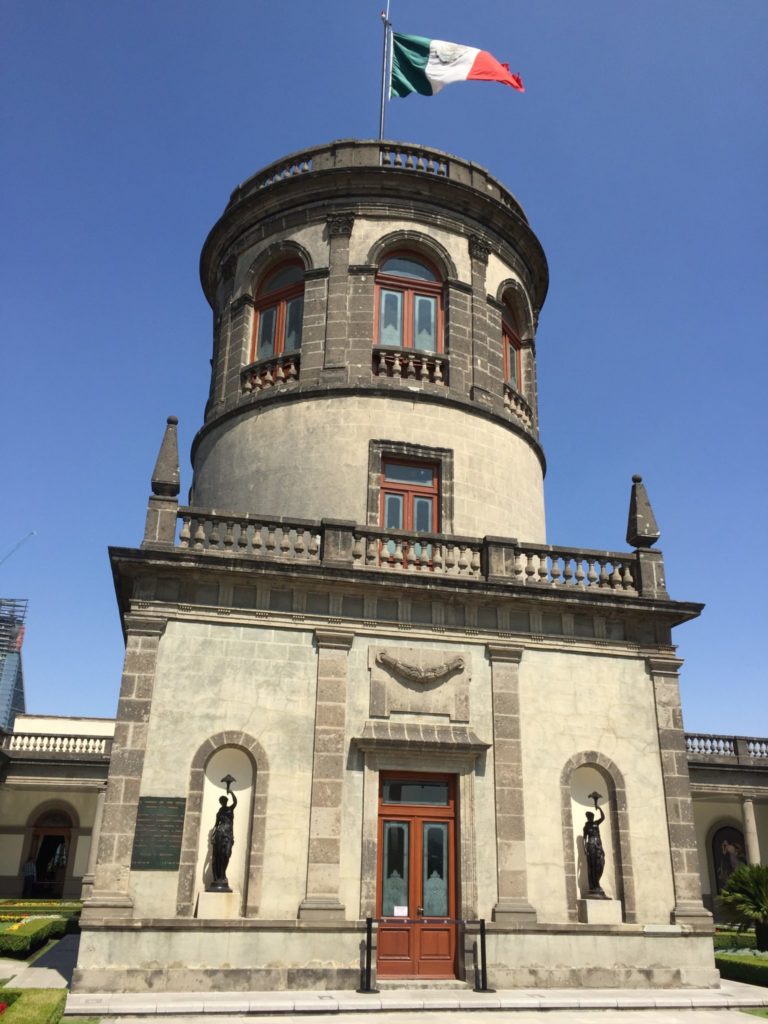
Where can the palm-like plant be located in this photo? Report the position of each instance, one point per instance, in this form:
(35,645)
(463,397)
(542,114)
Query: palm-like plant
(744,899)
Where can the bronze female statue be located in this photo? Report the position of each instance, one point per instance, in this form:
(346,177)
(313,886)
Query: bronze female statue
(222,840)
(594,852)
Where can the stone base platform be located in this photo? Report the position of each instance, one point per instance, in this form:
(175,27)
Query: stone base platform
(196,956)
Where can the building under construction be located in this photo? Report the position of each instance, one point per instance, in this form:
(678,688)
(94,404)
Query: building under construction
(12,615)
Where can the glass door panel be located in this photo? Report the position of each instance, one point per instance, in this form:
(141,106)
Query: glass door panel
(425,326)
(267,323)
(434,858)
(294,316)
(394,892)
(391,319)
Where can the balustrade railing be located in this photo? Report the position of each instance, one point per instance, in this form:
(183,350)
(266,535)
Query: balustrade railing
(270,373)
(50,743)
(559,567)
(360,153)
(409,364)
(361,547)
(413,158)
(517,405)
(397,550)
(709,746)
(248,535)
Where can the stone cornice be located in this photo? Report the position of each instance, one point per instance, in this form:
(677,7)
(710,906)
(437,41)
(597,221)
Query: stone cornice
(335,639)
(505,653)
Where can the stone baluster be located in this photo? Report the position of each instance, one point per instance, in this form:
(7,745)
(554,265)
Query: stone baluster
(396,365)
(424,369)
(410,371)
(199,535)
(438,374)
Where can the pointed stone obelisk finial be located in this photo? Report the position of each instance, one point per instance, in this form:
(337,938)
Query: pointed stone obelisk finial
(165,478)
(163,507)
(642,530)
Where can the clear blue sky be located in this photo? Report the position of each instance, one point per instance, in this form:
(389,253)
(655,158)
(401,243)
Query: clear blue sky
(639,152)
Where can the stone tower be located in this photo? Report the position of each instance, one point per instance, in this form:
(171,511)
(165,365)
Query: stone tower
(358,622)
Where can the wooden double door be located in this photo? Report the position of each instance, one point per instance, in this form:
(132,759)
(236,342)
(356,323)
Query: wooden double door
(416,886)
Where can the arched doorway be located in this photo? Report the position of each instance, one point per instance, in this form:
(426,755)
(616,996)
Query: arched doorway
(51,841)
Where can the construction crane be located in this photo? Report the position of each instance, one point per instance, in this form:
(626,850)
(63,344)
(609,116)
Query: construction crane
(17,545)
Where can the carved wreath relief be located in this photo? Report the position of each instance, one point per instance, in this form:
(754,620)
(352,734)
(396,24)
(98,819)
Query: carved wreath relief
(408,679)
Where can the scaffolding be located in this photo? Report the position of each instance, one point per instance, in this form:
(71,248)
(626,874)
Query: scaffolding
(13,612)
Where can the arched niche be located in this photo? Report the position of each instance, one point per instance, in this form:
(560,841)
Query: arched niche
(587,772)
(226,753)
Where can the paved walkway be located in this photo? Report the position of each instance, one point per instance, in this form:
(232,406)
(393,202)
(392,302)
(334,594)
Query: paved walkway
(401,1004)
(494,1017)
(52,969)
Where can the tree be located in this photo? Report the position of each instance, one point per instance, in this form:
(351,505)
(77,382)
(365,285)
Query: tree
(744,899)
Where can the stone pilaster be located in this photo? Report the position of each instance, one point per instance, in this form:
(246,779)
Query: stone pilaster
(236,353)
(512,906)
(88,877)
(677,793)
(750,830)
(339,232)
(322,898)
(483,382)
(111,896)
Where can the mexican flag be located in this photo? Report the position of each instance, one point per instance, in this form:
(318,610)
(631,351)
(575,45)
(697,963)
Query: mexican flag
(426,65)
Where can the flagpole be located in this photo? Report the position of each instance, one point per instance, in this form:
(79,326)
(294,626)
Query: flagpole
(382,108)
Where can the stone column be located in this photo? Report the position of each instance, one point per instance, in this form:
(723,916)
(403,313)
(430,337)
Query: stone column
(87,889)
(512,906)
(111,896)
(750,830)
(677,793)
(339,232)
(322,899)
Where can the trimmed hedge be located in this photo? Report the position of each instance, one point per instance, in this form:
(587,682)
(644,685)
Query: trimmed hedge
(751,969)
(734,940)
(32,934)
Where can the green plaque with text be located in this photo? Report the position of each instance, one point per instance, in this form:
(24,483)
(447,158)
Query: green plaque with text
(157,839)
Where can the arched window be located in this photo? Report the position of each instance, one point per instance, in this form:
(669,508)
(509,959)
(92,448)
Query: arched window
(279,312)
(728,853)
(409,307)
(510,338)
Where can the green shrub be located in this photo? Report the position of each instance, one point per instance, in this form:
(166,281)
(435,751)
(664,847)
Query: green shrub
(32,934)
(745,900)
(734,940)
(751,969)
(8,997)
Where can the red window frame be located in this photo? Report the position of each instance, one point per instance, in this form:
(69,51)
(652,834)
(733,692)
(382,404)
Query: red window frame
(410,288)
(410,491)
(510,340)
(279,299)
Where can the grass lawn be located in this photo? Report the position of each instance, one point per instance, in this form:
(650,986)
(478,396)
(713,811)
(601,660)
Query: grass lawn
(36,1006)
(758,1011)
